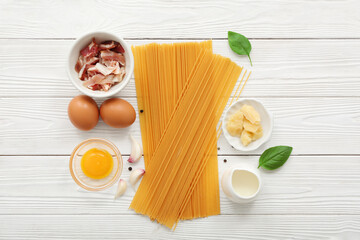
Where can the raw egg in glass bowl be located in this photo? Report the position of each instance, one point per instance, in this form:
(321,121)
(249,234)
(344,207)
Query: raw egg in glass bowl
(96,164)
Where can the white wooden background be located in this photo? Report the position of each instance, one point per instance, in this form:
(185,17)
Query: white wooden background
(306,57)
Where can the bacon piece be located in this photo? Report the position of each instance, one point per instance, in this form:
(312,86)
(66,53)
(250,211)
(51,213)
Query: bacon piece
(96,79)
(119,49)
(83,73)
(109,63)
(87,71)
(92,71)
(95,87)
(108,79)
(108,55)
(92,61)
(107,82)
(99,82)
(80,63)
(113,66)
(119,77)
(108,45)
(103,69)
(113,45)
(116,69)
(106,86)
(91,50)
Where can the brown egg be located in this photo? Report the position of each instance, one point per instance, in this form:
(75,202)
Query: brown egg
(83,112)
(117,113)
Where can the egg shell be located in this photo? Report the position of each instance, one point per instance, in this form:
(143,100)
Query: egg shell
(83,112)
(117,113)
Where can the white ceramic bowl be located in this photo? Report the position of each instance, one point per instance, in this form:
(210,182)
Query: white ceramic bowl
(83,41)
(266,123)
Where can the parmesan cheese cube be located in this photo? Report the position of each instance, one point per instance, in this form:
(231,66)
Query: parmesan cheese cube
(235,124)
(251,114)
(258,134)
(248,126)
(246,138)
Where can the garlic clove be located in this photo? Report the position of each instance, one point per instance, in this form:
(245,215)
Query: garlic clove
(135,176)
(136,151)
(120,189)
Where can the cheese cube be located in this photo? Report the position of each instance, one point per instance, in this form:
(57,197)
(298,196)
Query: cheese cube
(251,114)
(248,126)
(235,124)
(258,134)
(246,138)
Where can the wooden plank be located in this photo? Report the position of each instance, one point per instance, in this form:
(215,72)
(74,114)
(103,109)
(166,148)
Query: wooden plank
(38,126)
(219,227)
(181,19)
(304,185)
(281,68)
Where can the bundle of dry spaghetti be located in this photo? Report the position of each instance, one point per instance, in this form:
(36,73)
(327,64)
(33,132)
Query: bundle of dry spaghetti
(182,90)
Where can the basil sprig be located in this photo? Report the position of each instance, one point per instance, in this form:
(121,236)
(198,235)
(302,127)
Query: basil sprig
(239,44)
(274,157)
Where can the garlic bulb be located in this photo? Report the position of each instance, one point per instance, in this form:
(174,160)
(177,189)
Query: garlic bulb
(120,189)
(136,151)
(135,176)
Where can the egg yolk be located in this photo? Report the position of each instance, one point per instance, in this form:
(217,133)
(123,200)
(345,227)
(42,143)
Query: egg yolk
(97,163)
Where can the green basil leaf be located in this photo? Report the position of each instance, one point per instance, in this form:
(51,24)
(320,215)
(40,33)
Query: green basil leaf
(239,44)
(274,157)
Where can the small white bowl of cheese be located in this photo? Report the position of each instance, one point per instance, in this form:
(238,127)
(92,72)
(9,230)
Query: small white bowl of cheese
(247,124)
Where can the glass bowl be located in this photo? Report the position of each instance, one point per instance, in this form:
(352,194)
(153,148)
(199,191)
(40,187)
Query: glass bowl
(95,184)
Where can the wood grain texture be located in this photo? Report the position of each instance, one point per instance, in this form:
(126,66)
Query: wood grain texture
(306,72)
(181,19)
(304,185)
(281,68)
(138,227)
(37,126)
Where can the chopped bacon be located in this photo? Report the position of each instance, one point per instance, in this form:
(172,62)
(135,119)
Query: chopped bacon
(116,69)
(95,87)
(92,61)
(99,81)
(79,64)
(108,63)
(108,79)
(119,49)
(96,79)
(120,76)
(113,45)
(103,69)
(108,45)
(92,70)
(106,86)
(91,50)
(101,66)
(111,63)
(85,73)
(82,73)
(113,66)
(112,56)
